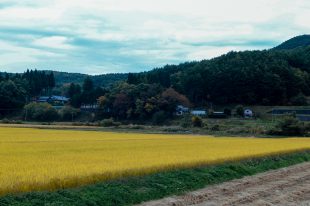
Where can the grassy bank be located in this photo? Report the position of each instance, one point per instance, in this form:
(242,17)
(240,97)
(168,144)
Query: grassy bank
(135,190)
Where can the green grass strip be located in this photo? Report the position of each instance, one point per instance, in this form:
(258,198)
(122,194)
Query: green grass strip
(138,189)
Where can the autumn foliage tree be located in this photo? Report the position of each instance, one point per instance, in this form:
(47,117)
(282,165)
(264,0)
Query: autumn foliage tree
(142,102)
(172,98)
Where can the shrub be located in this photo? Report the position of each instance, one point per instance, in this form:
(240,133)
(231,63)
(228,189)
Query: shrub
(8,121)
(69,113)
(299,100)
(238,130)
(186,121)
(40,112)
(5,121)
(159,118)
(197,121)
(173,129)
(257,130)
(239,110)
(134,126)
(290,126)
(109,123)
(215,127)
(227,112)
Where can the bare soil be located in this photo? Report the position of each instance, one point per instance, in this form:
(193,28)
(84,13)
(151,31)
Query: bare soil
(287,186)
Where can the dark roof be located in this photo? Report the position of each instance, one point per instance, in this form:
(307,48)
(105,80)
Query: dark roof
(304,118)
(43,99)
(289,111)
(218,115)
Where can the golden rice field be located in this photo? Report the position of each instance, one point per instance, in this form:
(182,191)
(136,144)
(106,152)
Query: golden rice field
(41,159)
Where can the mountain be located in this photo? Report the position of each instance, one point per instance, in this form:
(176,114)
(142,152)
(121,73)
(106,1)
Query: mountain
(103,80)
(298,41)
(268,77)
(99,80)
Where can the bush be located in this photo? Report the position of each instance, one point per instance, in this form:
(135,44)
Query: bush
(239,110)
(5,121)
(186,121)
(227,112)
(159,118)
(290,126)
(68,113)
(173,129)
(40,112)
(299,100)
(197,121)
(134,126)
(8,121)
(109,123)
(215,127)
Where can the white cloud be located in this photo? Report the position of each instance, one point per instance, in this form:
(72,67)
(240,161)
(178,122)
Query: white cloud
(54,42)
(120,35)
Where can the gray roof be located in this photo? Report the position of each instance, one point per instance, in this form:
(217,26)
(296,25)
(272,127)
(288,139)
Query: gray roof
(59,98)
(53,98)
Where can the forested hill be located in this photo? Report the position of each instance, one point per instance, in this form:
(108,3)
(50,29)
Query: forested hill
(299,41)
(269,77)
(103,80)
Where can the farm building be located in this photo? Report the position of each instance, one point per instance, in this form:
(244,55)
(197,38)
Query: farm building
(301,114)
(181,110)
(89,107)
(54,100)
(290,111)
(248,113)
(43,99)
(199,112)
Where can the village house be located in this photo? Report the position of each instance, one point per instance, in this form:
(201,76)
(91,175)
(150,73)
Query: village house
(54,100)
(199,112)
(248,113)
(300,114)
(181,110)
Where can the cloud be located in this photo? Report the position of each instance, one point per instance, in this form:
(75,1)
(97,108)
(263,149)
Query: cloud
(103,36)
(54,42)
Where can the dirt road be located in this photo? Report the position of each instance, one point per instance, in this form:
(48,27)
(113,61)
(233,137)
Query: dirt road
(288,186)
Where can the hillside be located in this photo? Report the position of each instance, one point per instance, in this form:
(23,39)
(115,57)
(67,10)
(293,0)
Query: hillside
(104,80)
(298,41)
(99,80)
(269,77)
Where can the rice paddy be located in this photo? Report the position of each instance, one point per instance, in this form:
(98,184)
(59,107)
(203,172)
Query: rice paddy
(41,159)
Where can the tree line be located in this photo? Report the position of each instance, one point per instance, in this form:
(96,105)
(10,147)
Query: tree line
(269,77)
(16,90)
(127,101)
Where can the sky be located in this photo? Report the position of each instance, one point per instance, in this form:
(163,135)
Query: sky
(120,36)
